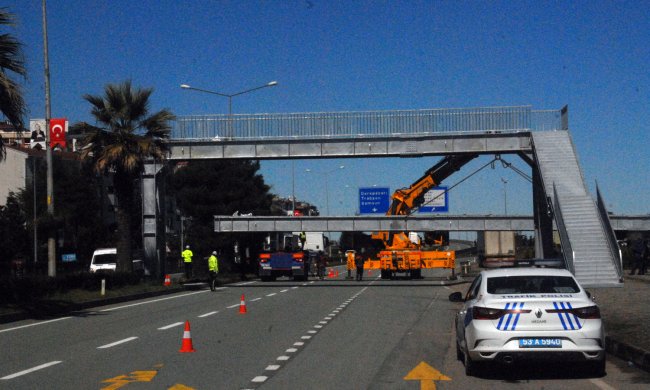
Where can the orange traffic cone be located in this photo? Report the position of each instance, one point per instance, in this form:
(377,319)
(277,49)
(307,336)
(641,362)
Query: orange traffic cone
(242,305)
(187,339)
(168,280)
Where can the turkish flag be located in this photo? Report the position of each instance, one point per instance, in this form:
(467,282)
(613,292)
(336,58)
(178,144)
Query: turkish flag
(58,128)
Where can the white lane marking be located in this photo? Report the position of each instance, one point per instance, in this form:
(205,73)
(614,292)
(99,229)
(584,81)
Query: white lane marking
(38,323)
(305,337)
(126,340)
(42,366)
(260,379)
(328,318)
(312,331)
(208,314)
(291,350)
(171,325)
(282,358)
(244,283)
(318,326)
(273,367)
(232,306)
(294,287)
(601,385)
(285,290)
(271,294)
(255,299)
(322,322)
(298,343)
(155,300)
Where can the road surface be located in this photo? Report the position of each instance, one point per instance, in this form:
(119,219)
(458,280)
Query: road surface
(330,334)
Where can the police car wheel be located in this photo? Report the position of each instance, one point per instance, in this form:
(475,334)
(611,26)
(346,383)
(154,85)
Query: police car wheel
(459,352)
(469,365)
(597,368)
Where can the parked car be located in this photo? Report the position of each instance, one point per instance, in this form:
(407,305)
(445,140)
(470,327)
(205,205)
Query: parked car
(528,314)
(105,260)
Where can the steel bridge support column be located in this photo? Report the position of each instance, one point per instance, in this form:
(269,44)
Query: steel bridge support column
(543,219)
(153,226)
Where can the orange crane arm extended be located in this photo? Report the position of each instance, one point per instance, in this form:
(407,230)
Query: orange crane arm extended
(405,200)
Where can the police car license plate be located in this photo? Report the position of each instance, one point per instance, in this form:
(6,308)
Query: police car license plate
(540,343)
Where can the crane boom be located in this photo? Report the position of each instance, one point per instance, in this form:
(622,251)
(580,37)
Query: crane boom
(405,200)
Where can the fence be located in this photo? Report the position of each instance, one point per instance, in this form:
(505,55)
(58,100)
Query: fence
(366,124)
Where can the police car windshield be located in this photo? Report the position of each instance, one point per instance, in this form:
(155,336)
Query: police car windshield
(108,258)
(532,284)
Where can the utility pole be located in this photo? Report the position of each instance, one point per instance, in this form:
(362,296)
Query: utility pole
(51,242)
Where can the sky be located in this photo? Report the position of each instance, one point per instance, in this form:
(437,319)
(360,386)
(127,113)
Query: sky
(333,56)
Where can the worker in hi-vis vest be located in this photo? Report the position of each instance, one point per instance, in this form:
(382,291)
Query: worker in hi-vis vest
(187,260)
(213,269)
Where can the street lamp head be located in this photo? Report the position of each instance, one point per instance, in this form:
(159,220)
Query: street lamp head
(272,83)
(185,86)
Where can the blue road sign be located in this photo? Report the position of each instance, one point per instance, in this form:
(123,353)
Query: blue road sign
(436,200)
(374,200)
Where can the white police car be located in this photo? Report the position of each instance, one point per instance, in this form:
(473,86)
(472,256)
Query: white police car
(528,314)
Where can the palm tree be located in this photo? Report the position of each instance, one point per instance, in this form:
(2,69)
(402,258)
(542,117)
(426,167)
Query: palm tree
(12,103)
(126,136)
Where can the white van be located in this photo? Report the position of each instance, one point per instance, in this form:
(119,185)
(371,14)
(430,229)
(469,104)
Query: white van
(105,260)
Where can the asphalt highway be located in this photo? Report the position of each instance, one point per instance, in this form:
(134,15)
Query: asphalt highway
(329,334)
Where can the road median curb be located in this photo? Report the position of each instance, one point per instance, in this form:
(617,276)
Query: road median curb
(627,352)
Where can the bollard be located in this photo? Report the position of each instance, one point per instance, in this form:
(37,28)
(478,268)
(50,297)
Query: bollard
(103,287)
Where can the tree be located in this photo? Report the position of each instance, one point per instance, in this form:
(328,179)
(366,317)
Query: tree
(12,103)
(204,189)
(15,237)
(126,138)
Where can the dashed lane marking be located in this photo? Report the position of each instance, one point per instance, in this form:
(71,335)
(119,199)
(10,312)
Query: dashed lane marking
(601,384)
(255,299)
(126,340)
(208,314)
(21,373)
(271,294)
(258,380)
(171,326)
(244,283)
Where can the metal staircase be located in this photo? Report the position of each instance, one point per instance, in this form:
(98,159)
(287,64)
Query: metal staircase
(586,238)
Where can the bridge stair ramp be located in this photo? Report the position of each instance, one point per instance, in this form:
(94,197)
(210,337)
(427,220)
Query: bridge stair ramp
(588,245)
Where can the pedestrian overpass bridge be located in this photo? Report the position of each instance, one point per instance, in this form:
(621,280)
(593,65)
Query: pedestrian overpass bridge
(540,137)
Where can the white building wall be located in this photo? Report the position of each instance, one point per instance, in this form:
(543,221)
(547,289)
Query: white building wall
(13,173)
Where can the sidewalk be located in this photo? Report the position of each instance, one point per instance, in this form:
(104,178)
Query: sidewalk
(626,315)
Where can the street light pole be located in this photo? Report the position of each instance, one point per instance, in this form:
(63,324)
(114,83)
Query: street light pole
(230,96)
(293,188)
(505,196)
(327,195)
(51,247)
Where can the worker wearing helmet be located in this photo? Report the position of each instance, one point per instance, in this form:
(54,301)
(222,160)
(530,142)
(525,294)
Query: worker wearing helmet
(187,260)
(213,269)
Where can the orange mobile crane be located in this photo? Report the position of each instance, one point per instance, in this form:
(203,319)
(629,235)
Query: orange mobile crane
(400,253)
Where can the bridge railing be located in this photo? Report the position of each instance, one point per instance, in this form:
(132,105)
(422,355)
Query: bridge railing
(366,123)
